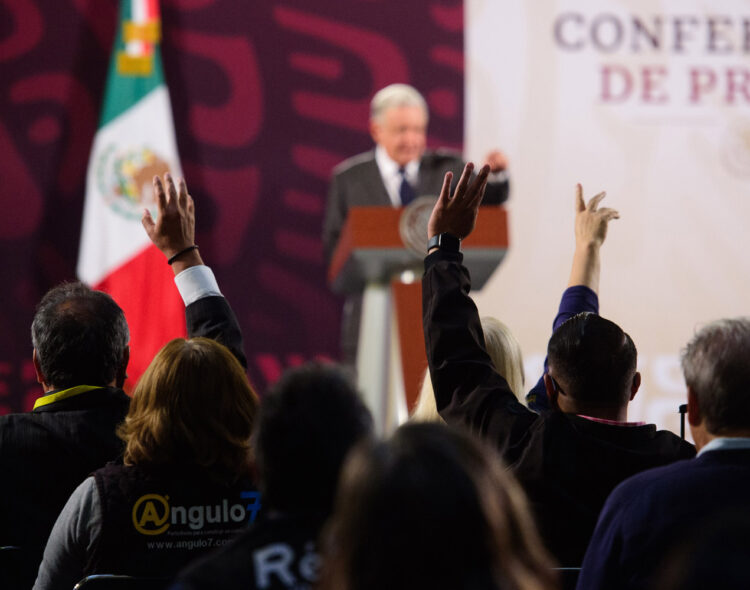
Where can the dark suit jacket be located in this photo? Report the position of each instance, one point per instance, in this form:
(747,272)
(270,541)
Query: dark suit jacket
(357,182)
(647,514)
(46,453)
(239,565)
(567,464)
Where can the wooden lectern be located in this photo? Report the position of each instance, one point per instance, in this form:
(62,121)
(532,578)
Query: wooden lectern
(371,257)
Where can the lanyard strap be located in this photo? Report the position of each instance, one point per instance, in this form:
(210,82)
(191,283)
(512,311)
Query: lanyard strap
(64,394)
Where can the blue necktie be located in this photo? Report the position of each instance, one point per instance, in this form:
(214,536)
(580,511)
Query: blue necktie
(406,191)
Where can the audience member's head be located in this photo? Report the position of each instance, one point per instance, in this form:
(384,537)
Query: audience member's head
(308,423)
(80,337)
(193,406)
(398,122)
(505,353)
(431,508)
(716,365)
(593,362)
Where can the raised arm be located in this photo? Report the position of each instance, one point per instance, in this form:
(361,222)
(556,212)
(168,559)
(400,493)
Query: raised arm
(582,294)
(468,389)
(497,189)
(591,224)
(207,312)
(173,232)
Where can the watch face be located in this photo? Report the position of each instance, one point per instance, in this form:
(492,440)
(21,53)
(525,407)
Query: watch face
(449,243)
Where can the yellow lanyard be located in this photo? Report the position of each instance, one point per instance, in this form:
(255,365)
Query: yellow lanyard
(64,394)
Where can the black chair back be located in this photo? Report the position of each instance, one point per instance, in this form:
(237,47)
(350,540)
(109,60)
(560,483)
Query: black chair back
(568,577)
(18,568)
(117,582)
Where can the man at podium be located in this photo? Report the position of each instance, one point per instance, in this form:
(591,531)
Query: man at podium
(400,168)
(394,173)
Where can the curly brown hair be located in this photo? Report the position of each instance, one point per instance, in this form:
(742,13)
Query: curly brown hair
(193,405)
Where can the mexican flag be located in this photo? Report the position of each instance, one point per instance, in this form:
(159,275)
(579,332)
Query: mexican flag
(135,141)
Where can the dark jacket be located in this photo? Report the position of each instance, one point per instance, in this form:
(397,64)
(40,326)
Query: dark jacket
(273,554)
(356,182)
(647,515)
(46,453)
(567,464)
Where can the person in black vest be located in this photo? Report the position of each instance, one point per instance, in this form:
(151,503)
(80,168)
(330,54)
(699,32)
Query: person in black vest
(307,425)
(185,486)
(81,353)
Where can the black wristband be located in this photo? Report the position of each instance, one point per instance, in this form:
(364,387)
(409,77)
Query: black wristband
(181,252)
(445,242)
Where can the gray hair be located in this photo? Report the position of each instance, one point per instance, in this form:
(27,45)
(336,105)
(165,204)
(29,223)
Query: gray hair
(80,336)
(716,365)
(396,95)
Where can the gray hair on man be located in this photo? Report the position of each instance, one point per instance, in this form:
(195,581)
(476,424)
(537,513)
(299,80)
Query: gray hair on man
(716,365)
(396,95)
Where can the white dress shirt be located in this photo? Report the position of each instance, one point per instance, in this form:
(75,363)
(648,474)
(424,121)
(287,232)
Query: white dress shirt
(391,177)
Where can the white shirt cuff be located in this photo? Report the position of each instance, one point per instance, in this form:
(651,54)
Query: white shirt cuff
(501,176)
(196,283)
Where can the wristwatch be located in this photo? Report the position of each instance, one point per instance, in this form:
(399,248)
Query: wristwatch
(446,242)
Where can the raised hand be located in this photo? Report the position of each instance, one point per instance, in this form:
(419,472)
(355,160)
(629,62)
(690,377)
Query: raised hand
(591,222)
(174,229)
(457,214)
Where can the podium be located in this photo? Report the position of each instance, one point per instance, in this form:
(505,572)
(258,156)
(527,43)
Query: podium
(373,257)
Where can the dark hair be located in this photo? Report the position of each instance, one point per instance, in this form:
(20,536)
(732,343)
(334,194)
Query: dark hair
(594,358)
(716,364)
(432,508)
(192,406)
(308,422)
(80,336)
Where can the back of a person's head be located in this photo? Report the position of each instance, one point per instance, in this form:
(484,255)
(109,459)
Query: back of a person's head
(80,336)
(593,359)
(505,353)
(716,365)
(308,423)
(192,406)
(431,508)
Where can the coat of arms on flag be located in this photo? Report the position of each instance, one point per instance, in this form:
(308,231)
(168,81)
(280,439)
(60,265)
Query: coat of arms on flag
(135,141)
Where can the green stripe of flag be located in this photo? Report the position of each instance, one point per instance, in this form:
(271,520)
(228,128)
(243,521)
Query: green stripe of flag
(124,90)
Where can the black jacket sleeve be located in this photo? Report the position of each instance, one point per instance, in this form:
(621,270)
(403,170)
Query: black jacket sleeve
(212,317)
(468,389)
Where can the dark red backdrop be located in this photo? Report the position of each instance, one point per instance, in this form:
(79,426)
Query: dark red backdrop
(267,98)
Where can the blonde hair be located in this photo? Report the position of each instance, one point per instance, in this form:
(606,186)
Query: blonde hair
(505,354)
(193,405)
